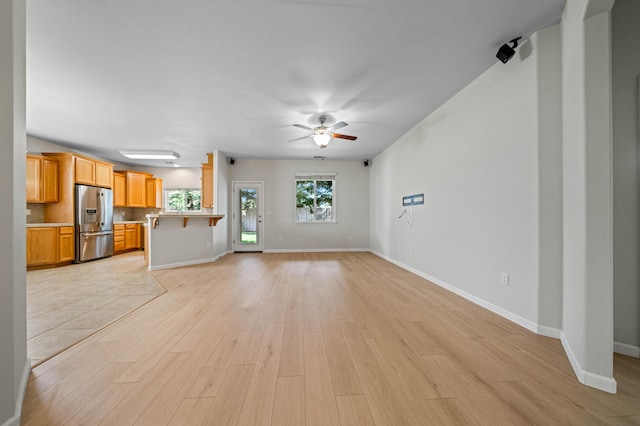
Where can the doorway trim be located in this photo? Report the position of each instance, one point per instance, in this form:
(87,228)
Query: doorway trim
(236,245)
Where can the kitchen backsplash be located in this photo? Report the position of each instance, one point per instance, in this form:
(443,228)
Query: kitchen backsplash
(37,213)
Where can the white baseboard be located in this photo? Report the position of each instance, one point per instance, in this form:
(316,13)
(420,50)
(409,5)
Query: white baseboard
(22,389)
(543,330)
(333,250)
(188,263)
(625,349)
(606,384)
(597,381)
(523,322)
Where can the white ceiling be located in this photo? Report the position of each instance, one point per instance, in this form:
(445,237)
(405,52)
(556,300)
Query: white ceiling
(199,75)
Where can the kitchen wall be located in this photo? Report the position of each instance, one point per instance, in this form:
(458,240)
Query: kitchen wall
(282,233)
(488,164)
(626,72)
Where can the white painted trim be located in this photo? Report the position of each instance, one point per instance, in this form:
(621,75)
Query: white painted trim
(523,322)
(333,250)
(626,349)
(188,263)
(543,330)
(597,381)
(22,389)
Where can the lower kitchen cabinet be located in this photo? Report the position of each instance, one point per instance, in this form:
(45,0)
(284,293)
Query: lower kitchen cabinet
(50,245)
(66,244)
(126,237)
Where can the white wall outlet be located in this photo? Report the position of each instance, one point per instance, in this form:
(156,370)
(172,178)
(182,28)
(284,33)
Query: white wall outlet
(350,237)
(208,244)
(28,212)
(505,278)
(410,250)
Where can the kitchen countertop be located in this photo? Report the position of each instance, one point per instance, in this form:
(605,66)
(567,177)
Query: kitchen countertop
(124,222)
(47,225)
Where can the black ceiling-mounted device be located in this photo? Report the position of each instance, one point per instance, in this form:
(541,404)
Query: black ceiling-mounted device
(506,52)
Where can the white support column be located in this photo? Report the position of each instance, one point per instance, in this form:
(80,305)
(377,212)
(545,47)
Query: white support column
(587,191)
(14,365)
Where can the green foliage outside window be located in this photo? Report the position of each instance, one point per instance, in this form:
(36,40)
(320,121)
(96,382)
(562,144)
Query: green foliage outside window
(183,200)
(314,200)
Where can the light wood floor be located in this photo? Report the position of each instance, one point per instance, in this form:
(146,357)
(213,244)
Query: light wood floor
(317,339)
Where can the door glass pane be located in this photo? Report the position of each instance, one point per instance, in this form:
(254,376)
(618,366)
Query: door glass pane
(249,216)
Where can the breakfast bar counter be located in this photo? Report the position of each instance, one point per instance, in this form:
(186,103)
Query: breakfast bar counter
(177,239)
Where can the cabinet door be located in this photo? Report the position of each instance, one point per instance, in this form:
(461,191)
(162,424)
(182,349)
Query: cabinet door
(119,190)
(136,183)
(34,173)
(66,244)
(207,186)
(49,181)
(85,171)
(42,246)
(153,193)
(103,174)
(130,236)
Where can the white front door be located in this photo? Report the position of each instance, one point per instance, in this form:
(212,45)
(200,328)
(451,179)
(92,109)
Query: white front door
(247,215)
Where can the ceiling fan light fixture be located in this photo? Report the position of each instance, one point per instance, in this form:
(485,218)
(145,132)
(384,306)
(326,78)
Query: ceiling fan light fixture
(151,155)
(322,139)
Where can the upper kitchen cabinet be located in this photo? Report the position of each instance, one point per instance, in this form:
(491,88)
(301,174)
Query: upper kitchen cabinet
(42,180)
(119,189)
(153,193)
(136,188)
(207,182)
(72,169)
(93,172)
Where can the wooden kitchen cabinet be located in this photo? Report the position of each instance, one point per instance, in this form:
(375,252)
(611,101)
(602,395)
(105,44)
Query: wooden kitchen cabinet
(42,180)
(119,189)
(118,238)
(72,169)
(66,244)
(131,236)
(85,171)
(50,245)
(92,172)
(103,174)
(207,183)
(42,246)
(153,193)
(136,187)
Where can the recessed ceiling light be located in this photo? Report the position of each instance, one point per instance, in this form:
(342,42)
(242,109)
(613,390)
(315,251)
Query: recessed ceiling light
(151,155)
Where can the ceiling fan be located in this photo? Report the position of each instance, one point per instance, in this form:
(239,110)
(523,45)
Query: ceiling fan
(322,135)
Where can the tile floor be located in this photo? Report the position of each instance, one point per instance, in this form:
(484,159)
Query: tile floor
(67,304)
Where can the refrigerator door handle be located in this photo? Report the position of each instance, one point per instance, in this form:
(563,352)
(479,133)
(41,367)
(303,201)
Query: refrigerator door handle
(96,234)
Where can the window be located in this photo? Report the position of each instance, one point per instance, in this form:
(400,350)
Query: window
(182,200)
(315,198)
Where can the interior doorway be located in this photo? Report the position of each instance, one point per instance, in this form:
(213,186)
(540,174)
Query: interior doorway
(247,216)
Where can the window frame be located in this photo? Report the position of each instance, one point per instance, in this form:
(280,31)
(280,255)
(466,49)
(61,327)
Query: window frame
(316,177)
(166,199)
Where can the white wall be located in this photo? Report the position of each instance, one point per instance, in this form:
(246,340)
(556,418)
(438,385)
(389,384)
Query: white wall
(626,71)
(14,365)
(280,229)
(587,205)
(477,160)
(222,185)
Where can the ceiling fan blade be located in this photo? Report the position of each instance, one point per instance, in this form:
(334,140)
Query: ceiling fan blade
(303,127)
(339,136)
(337,126)
(299,139)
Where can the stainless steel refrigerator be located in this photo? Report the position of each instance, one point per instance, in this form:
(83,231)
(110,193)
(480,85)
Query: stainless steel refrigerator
(94,223)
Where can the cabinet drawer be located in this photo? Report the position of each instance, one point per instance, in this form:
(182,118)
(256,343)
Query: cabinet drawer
(64,230)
